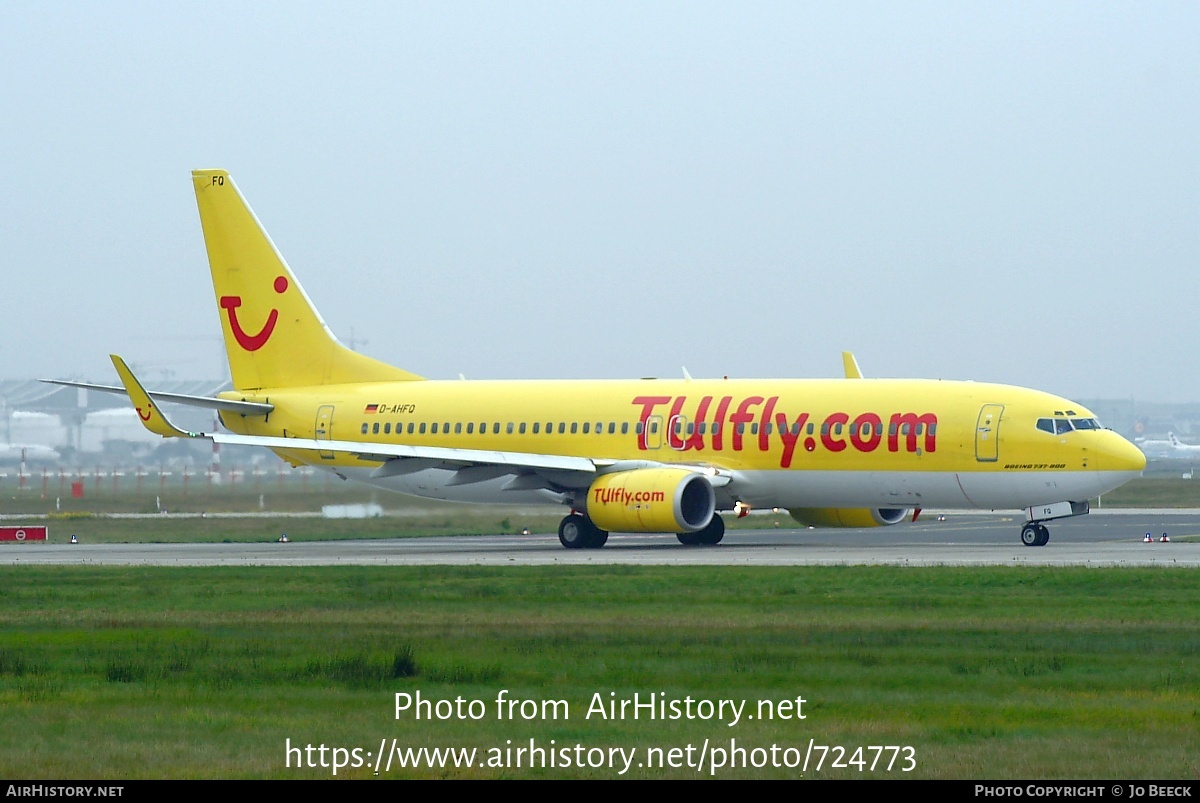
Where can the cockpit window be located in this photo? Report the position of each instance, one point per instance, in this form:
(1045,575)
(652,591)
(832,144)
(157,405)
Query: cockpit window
(1058,426)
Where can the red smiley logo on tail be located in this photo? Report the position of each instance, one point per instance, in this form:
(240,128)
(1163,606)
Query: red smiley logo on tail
(149,412)
(256,341)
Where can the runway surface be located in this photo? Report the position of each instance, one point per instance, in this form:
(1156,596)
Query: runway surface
(1101,539)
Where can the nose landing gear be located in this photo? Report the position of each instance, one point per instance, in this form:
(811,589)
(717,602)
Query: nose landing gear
(1035,534)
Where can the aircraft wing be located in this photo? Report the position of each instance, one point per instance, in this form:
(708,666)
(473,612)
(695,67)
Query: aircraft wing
(398,458)
(473,465)
(392,451)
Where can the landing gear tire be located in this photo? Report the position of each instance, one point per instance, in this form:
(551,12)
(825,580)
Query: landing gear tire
(713,533)
(578,532)
(572,532)
(1035,534)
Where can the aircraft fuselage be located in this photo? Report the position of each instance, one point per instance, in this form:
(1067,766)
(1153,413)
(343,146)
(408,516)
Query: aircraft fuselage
(910,443)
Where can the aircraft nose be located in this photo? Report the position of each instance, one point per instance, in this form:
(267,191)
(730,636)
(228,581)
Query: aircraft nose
(1118,454)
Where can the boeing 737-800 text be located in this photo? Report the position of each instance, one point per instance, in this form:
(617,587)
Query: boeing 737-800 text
(646,456)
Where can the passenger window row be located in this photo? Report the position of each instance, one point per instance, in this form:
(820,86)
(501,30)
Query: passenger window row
(612,427)
(494,427)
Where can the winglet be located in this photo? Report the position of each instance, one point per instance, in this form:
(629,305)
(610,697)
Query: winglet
(152,418)
(851,366)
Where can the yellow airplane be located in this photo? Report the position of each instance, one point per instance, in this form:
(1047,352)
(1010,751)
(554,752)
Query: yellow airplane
(644,456)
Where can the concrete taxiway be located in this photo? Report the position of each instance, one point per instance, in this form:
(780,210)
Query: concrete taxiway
(1101,539)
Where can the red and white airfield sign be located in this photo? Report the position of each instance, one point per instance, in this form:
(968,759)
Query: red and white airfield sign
(36,533)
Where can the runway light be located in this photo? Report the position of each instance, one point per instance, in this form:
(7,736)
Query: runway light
(1147,539)
(1164,539)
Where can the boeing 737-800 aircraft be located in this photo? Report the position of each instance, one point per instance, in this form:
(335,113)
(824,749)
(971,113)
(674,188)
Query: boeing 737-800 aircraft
(645,456)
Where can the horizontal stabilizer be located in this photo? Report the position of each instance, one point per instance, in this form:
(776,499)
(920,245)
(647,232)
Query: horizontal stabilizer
(207,402)
(151,417)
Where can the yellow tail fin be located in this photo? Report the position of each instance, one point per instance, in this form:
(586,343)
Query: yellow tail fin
(273,335)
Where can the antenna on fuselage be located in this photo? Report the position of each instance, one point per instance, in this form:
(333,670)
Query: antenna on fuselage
(851,366)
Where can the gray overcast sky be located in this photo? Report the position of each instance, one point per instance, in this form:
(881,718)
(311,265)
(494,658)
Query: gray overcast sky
(1002,192)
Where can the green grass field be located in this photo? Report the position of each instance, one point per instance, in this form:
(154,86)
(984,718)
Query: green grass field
(985,673)
(208,672)
(1154,492)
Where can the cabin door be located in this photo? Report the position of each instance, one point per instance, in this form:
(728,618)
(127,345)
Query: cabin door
(324,427)
(677,432)
(987,433)
(653,432)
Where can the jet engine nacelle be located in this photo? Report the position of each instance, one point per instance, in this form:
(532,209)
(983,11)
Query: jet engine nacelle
(651,500)
(849,516)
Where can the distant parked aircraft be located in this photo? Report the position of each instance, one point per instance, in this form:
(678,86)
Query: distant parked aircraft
(1156,447)
(1181,447)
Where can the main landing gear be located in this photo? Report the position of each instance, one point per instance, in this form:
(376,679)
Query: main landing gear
(1035,534)
(577,532)
(712,534)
